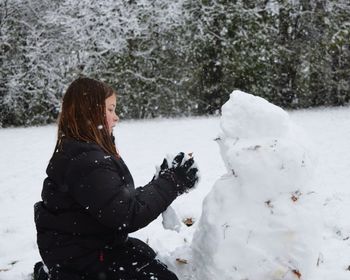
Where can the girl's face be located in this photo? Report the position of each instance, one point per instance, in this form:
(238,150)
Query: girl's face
(111,116)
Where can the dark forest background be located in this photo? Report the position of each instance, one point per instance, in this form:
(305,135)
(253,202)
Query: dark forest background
(172,58)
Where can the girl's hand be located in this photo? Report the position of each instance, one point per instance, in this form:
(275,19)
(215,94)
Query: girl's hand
(183,171)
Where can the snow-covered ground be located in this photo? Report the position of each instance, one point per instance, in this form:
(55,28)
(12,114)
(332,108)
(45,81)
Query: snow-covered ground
(24,154)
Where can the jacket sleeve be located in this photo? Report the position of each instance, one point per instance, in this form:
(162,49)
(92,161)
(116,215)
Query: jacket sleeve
(103,193)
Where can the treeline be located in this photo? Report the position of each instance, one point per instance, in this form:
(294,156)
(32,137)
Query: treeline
(172,58)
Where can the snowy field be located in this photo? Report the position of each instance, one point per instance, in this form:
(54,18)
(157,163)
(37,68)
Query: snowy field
(24,154)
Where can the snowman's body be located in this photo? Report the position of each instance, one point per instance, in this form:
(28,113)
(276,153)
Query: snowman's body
(257,222)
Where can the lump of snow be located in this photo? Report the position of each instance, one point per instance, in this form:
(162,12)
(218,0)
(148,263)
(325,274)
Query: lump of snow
(259,143)
(171,220)
(260,219)
(248,116)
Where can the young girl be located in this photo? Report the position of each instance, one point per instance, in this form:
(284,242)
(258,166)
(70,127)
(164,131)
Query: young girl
(89,203)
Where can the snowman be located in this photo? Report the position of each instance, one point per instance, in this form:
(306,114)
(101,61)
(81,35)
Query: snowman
(260,220)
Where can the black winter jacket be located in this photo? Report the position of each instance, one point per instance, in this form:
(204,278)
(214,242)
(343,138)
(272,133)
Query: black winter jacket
(89,203)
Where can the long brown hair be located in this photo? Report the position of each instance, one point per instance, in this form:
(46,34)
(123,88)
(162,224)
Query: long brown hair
(83,114)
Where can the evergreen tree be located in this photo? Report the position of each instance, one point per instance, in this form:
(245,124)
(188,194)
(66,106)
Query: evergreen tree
(339,51)
(171,58)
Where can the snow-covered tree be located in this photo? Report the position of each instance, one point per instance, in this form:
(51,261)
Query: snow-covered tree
(169,58)
(29,78)
(229,49)
(339,50)
(130,45)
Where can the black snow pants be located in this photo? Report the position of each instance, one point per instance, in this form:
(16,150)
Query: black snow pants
(135,260)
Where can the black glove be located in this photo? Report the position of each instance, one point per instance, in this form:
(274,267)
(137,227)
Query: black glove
(182,172)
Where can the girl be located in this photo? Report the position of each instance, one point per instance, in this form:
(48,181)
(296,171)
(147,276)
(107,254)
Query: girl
(89,203)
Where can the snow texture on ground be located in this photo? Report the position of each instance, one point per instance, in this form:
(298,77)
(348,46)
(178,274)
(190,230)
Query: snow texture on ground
(25,152)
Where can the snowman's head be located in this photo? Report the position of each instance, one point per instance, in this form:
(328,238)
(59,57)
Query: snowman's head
(261,146)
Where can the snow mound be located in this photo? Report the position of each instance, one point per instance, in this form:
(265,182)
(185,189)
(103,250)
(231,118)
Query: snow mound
(262,148)
(170,220)
(255,222)
(248,116)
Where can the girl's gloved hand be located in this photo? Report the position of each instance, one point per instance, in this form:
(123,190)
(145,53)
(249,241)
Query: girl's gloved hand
(182,170)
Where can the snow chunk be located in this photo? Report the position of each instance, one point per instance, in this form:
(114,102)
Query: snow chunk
(259,142)
(248,116)
(171,220)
